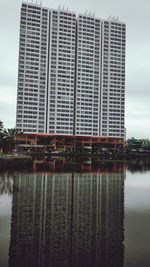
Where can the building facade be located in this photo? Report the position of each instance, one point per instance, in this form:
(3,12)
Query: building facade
(71,75)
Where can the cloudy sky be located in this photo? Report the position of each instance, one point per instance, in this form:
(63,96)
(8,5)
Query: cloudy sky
(136,15)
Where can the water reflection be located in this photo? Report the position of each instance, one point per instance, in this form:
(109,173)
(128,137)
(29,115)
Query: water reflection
(6,183)
(68,219)
(139,166)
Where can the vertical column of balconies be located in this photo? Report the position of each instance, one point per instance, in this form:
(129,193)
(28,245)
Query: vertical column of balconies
(32,72)
(87,75)
(113,79)
(62,72)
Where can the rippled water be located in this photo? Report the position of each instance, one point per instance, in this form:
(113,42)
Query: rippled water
(94,219)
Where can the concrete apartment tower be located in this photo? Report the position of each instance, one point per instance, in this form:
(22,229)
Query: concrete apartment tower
(71,76)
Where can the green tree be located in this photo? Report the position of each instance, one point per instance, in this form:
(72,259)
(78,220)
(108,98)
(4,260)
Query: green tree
(8,139)
(1,125)
(1,139)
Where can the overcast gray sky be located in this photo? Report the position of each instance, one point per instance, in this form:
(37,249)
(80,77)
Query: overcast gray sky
(136,15)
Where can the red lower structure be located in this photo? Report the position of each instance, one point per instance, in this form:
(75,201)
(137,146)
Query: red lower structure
(66,142)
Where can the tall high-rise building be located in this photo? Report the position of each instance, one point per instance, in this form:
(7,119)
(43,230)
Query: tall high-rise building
(71,76)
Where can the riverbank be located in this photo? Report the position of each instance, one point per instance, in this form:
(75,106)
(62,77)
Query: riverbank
(80,163)
(15,162)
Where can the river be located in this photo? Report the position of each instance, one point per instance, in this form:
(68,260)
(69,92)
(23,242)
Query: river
(94,218)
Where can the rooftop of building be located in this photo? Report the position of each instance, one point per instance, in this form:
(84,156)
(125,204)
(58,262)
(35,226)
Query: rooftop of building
(90,14)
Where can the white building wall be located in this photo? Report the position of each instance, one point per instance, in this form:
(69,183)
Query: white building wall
(87,101)
(61,72)
(33,66)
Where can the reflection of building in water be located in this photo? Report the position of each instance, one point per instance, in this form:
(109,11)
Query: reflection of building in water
(98,220)
(64,220)
(6,183)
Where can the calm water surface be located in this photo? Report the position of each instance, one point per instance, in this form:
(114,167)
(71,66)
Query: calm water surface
(99,218)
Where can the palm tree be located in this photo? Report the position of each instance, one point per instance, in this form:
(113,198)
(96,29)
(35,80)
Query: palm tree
(1,139)
(8,139)
(1,125)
